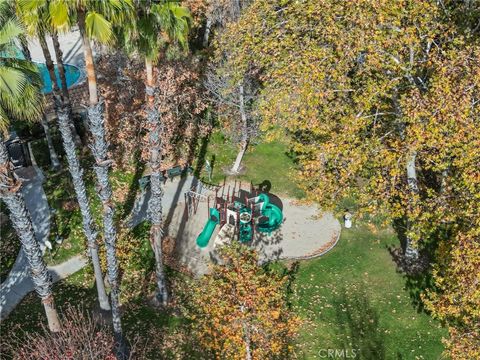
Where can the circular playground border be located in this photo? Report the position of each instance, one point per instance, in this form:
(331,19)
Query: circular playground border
(321,253)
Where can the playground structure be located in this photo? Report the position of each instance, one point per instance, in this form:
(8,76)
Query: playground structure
(237,212)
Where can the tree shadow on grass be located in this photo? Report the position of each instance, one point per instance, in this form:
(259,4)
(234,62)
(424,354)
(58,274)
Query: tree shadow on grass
(419,279)
(29,314)
(202,153)
(134,185)
(358,325)
(288,271)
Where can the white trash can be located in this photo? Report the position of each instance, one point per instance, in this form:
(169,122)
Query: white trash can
(348,220)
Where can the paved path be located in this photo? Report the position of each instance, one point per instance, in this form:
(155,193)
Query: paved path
(36,201)
(173,192)
(304,232)
(18,283)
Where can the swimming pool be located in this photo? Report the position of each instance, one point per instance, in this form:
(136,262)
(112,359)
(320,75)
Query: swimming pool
(72,73)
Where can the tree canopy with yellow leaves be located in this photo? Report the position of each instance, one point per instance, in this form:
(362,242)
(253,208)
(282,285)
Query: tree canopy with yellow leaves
(240,310)
(381,102)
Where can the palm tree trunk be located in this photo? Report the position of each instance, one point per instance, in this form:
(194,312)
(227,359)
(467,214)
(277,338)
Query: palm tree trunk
(61,69)
(79,185)
(51,148)
(48,63)
(100,152)
(244,143)
(25,49)
(53,78)
(22,222)
(56,97)
(63,80)
(87,50)
(155,202)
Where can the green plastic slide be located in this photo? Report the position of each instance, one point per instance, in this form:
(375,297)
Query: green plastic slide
(273,212)
(206,234)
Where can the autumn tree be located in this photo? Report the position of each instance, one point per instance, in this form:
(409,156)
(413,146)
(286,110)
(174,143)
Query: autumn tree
(334,75)
(447,117)
(181,107)
(232,96)
(123,89)
(380,101)
(219,13)
(239,310)
(234,100)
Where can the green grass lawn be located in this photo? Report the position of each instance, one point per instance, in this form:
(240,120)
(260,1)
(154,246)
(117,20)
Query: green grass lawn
(353,298)
(66,219)
(29,315)
(263,161)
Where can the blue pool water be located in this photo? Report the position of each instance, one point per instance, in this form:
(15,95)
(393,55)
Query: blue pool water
(72,73)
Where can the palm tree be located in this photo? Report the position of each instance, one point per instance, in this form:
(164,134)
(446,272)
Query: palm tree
(61,67)
(51,70)
(95,21)
(9,12)
(40,18)
(30,14)
(59,21)
(153,19)
(20,98)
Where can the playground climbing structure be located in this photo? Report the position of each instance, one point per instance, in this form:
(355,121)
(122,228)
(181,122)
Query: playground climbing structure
(238,213)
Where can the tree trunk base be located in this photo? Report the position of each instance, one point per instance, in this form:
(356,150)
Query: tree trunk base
(154,300)
(408,265)
(56,168)
(101,316)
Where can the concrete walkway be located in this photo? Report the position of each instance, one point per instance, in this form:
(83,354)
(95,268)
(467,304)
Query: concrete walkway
(173,193)
(18,283)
